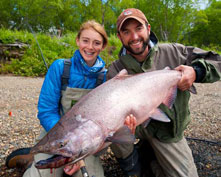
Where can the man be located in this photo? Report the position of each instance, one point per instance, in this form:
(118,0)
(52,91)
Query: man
(142,53)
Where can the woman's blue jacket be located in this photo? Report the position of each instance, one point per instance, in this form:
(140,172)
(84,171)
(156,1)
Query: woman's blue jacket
(81,76)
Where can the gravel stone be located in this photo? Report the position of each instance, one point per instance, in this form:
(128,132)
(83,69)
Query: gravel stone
(20,126)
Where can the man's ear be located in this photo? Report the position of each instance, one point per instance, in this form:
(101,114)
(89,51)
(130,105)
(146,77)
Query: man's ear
(148,28)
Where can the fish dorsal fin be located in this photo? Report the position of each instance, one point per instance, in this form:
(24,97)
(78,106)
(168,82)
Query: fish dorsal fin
(146,122)
(122,136)
(122,74)
(159,115)
(167,68)
(171,96)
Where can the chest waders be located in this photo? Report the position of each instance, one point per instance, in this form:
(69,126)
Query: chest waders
(69,96)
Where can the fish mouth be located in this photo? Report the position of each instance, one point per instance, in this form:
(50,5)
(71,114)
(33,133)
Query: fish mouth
(55,161)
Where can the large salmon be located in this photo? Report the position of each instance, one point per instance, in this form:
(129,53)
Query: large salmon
(98,118)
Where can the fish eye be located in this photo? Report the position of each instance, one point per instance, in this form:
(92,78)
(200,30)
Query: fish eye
(62,144)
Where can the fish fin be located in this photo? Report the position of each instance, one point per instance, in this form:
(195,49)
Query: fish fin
(146,122)
(192,89)
(101,152)
(171,96)
(122,136)
(159,115)
(102,149)
(122,74)
(167,68)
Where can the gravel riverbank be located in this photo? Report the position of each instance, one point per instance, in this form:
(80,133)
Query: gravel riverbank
(19,125)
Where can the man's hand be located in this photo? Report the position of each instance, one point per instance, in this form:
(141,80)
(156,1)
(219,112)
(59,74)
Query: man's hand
(188,77)
(71,168)
(131,122)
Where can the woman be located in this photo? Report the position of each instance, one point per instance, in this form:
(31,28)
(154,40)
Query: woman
(85,69)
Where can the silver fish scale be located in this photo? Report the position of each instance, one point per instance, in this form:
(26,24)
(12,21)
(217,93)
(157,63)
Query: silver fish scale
(111,102)
(104,110)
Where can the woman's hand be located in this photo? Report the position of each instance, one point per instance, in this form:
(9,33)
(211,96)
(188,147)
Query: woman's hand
(188,77)
(131,122)
(71,168)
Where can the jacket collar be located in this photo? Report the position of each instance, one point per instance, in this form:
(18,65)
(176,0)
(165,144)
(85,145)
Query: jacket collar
(80,62)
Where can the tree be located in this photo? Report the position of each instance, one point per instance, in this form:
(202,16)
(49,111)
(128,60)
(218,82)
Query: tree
(6,7)
(169,18)
(206,28)
(106,12)
(38,13)
(69,18)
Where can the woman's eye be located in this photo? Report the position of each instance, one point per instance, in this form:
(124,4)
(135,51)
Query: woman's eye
(97,43)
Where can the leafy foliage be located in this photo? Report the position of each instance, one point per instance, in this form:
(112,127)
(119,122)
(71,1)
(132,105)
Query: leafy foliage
(206,29)
(32,63)
(172,20)
(52,48)
(8,36)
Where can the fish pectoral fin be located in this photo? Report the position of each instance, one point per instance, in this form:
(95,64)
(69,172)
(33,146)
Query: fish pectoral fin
(159,115)
(101,152)
(192,89)
(171,96)
(122,136)
(146,122)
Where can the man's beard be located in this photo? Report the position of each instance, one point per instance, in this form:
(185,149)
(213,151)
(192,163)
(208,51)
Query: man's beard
(145,45)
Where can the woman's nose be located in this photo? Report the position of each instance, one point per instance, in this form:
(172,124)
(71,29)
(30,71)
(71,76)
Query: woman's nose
(90,45)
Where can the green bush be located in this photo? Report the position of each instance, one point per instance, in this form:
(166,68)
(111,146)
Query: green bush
(9,37)
(52,48)
(112,50)
(32,63)
(214,48)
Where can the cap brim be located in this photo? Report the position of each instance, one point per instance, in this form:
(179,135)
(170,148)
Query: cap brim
(136,18)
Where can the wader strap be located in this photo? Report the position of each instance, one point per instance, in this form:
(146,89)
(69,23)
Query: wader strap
(66,74)
(64,80)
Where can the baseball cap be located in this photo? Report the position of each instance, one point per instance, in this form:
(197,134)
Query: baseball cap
(131,13)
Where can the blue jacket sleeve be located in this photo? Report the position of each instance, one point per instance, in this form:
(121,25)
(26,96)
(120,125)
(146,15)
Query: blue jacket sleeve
(48,104)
